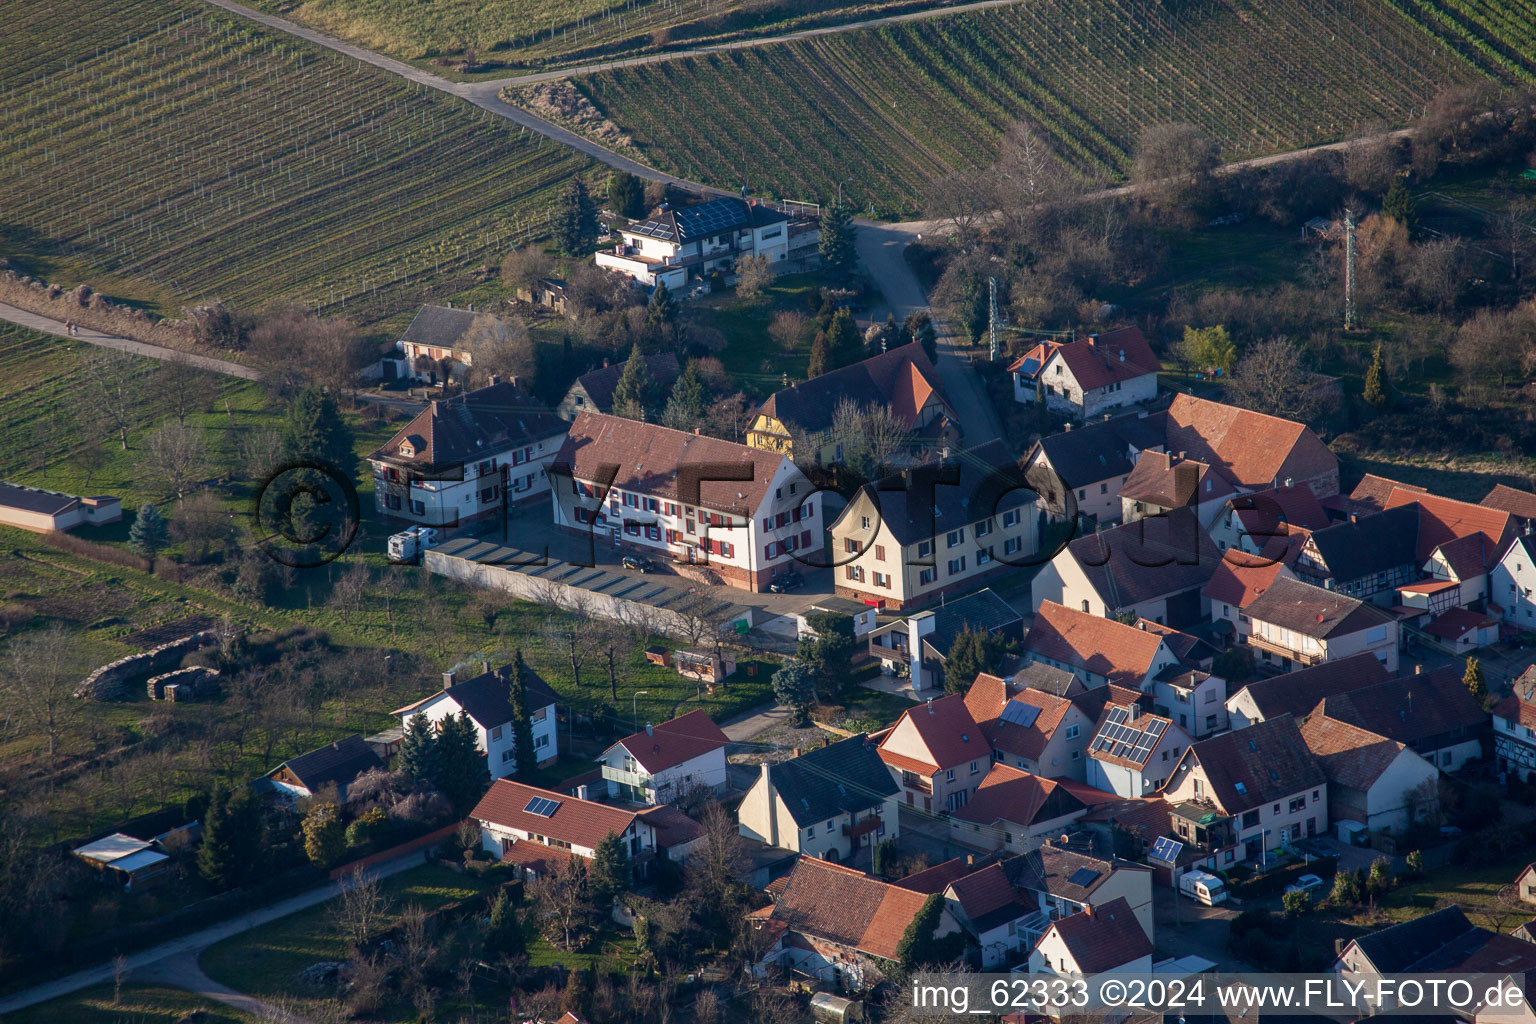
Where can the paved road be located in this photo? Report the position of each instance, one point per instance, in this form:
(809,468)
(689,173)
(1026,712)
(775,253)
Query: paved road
(745,726)
(191,945)
(38,322)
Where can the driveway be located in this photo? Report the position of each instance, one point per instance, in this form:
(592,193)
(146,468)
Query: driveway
(1183,927)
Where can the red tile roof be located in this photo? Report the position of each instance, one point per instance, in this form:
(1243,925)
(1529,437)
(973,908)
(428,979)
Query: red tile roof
(474,425)
(1166,481)
(988,697)
(937,878)
(1374,490)
(1240,578)
(1520,706)
(535,856)
(645,458)
(1254,450)
(1266,512)
(846,906)
(1445,519)
(578,822)
(1350,756)
(1458,622)
(902,378)
(989,898)
(1120,653)
(673,827)
(1518,503)
(672,743)
(1250,767)
(1012,795)
(946,729)
(1104,937)
(1146,818)
(1117,355)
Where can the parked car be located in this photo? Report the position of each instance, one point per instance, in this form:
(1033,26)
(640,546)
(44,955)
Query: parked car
(639,562)
(1312,885)
(784,582)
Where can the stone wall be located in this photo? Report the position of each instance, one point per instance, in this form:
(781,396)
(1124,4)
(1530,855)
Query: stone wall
(112,680)
(181,685)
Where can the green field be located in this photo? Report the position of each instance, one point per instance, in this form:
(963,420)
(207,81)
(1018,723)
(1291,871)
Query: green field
(141,1004)
(895,107)
(169,144)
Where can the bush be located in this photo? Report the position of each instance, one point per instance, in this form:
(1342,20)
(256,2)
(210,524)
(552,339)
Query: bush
(1296,902)
(1272,883)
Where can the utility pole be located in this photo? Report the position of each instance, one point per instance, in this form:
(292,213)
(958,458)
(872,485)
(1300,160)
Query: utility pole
(992,318)
(1349,269)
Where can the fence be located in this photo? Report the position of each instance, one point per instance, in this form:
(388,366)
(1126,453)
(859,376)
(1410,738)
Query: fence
(408,847)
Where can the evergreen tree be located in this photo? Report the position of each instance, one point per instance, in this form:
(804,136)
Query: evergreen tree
(836,240)
(821,359)
(610,874)
(661,310)
(461,772)
(794,686)
(919,328)
(522,722)
(635,394)
(917,945)
(315,430)
(844,343)
(248,829)
(577,998)
(1399,205)
(418,750)
(574,223)
(504,934)
(685,408)
(1474,681)
(1376,381)
(216,858)
(626,194)
(149,534)
(972,652)
(827,650)
(325,837)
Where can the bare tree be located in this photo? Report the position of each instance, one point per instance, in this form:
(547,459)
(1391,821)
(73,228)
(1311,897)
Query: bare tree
(1175,164)
(520,268)
(111,384)
(1437,271)
(186,388)
(754,276)
(791,329)
(1029,177)
(298,347)
(349,589)
(42,670)
(361,909)
(174,456)
(499,347)
(1491,343)
(1271,379)
(1372,157)
(961,199)
(1516,232)
(562,900)
(872,436)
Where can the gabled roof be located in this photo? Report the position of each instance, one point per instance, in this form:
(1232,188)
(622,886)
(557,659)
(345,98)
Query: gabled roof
(1128,737)
(1442,520)
(1099,451)
(1350,756)
(487,697)
(946,729)
(1520,706)
(847,907)
(839,778)
(1103,359)
(1167,481)
(673,827)
(1019,723)
(1458,622)
(1015,796)
(1058,682)
(339,762)
(1370,544)
(937,878)
(989,899)
(902,379)
(1518,503)
(1252,449)
(931,499)
(599,384)
(1297,693)
(645,458)
(1439,941)
(1409,708)
(1240,578)
(578,822)
(1104,937)
(1120,653)
(1186,647)
(440,326)
(1151,558)
(1146,818)
(983,610)
(1313,611)
(1373,490)
(672,743)
(1269,512)
(475,425)
(1257,765)
(1056,868)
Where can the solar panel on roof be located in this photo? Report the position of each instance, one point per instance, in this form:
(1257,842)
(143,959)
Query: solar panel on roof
(1166,849)
(1084,877)
(1030,367)
(1020,713)
(543,806)
(1157,727)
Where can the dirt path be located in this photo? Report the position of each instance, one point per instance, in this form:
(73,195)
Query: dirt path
(182,972)
(48,325)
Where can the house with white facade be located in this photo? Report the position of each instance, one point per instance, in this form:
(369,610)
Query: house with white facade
(828,802)
(1296,625)
(1015,811)
(684,243)
(1134,753)
(539,829)
(487,700)
(1081,469)
(1101,940)
(441,341)
(935,529)
(593,390)
(467,460)
(1088,376)
(663,763)
(32,508)
(1514,728)
(1030,729)
(1297,693)
(1162,482)
(335,764)
(684,497)
(1249,791)
(1237,581)
(1095,649)
(1376,781)
(937,754)
(1431,712)
(917,645)
(1512,584)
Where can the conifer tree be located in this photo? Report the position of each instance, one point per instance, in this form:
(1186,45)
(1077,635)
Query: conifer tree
(836,238)
(522,721)
(610,874)
(821,359)
(1376,381)
(418,750)
(635,394)
(461,769)
(685,407)
(148,535)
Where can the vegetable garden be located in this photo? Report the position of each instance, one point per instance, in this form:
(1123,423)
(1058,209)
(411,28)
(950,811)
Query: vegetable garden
(900,105)
(166,142)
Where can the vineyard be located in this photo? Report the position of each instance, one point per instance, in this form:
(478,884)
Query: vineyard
(895,107)
(163,142)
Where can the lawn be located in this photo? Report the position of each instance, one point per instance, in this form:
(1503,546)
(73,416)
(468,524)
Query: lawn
(141,1004)
(757,362)
(895,107)
(170,152)
(1474,888)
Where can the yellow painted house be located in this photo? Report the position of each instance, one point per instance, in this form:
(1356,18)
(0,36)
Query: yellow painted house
(902,379)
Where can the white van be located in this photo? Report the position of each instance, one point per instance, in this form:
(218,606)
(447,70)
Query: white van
(405,547)
(1203,887)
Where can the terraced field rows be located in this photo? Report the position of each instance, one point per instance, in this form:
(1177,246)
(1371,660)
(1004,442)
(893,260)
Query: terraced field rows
(898,106)
(203,154)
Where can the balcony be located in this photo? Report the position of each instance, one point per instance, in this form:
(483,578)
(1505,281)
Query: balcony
(638,779)
(1305,658)
(913,781)
(883,653)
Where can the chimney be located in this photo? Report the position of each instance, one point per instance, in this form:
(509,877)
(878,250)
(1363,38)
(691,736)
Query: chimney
(512,380)
(795,752)
(1418,670)
(648,730)
(496,379)
(485,666)
(697,432)
(605,364)
(1290,481)
(970,860)
(448,679)
(1088,909)
(930,705)
(1067,426)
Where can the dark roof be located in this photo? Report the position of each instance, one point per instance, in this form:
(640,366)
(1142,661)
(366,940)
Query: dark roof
(1417,944)
(339,762)
(1098,451)
(1518,503)
(474,425)
(983,610)
(839,778)
(1297,693)
(929,500)
(1167,481)
(1104,938)
(440,326)
(1369,544)
(1150,558)
(1056,868)
(486,697)
(1257,765)
(1409,708)
(701,220)
(902,379)
(33,499)
(599,384)
(1313,611)
(1058,682)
